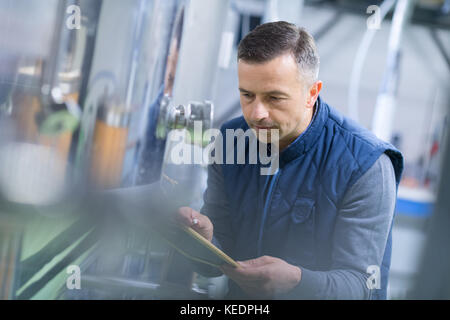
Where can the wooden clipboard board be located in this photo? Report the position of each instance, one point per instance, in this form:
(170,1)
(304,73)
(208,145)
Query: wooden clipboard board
(192,245)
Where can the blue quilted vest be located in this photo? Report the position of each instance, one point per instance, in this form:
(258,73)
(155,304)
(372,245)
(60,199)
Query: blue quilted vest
(291,215)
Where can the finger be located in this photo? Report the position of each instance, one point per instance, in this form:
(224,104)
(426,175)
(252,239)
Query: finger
(184,216)
(190,218)
(257,262)
(245,273)
(252,263)
(200,222)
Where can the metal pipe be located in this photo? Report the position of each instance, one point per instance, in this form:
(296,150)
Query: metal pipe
(361,54)
(385,106)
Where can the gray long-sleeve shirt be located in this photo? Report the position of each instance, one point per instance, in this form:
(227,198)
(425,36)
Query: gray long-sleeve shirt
(359,237)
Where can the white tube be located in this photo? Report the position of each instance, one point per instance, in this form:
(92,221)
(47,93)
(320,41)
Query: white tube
(353,89)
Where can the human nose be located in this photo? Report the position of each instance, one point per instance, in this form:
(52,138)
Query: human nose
(259,111)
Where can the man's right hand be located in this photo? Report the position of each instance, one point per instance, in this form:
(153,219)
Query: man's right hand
(197,221)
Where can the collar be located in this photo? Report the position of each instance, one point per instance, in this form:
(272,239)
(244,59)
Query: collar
(308,138)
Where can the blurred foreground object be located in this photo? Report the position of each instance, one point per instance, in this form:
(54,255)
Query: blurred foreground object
(434,276)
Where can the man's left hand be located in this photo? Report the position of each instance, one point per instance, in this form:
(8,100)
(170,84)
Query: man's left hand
(264,277)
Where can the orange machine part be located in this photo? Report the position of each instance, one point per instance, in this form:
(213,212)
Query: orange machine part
(108,154)
(28,107)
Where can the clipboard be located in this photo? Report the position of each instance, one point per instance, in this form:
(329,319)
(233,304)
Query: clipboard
(194,246)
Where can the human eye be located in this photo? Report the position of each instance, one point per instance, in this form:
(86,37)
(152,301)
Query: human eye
(275,99)
(247,95)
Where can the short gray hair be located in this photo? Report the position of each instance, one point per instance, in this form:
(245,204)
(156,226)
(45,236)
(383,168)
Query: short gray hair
(272,39)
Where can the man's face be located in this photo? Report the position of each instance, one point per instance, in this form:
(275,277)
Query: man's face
(274,96)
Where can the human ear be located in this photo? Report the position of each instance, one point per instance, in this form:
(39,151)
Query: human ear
(313,93)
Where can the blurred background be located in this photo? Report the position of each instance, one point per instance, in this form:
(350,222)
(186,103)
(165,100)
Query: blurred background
(94,95)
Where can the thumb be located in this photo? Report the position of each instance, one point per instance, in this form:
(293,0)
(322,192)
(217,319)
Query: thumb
(184,216)
(257,262)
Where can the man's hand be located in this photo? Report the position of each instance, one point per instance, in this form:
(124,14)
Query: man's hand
(197,221)
(264,277)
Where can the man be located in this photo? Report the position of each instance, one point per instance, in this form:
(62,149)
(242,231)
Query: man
(320,227)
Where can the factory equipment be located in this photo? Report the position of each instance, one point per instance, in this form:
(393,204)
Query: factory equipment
(88,113)
(42,73)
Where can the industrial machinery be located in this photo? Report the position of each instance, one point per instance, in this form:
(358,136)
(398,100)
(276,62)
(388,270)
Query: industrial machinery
(87,108)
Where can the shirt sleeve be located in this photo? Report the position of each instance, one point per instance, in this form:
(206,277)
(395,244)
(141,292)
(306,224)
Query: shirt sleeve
(216,207)
(359,239)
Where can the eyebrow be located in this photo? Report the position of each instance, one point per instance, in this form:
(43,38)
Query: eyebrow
(273,92)
(277,93)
